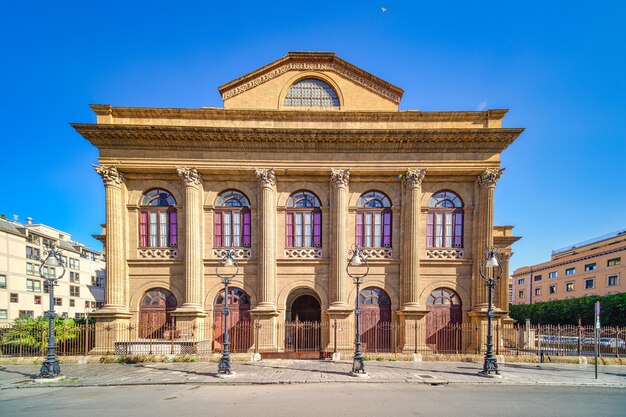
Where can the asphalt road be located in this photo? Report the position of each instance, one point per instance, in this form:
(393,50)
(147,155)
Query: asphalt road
(333,400)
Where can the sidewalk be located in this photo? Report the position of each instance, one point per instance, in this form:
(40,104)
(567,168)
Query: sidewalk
(315,371)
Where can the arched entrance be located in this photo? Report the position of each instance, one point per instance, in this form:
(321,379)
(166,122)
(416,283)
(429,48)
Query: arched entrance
(239,328)
(375,320)
(154,313)
(443,322)
(303,325)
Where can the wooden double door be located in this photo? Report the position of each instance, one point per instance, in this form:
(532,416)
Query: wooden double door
(443,322)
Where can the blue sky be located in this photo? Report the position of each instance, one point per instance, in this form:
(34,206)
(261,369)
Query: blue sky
(558,66)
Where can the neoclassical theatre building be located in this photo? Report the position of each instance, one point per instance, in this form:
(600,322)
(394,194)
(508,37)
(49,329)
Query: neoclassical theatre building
(309,156)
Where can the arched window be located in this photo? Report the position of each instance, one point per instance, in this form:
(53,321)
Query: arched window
(444,228)
(311,92)
(374,296)
(373,220)
(232,220)
(303,220)
(442,296)
(157,220)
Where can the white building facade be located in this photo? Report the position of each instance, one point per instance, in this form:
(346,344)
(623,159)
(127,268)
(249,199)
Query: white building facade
(22,289)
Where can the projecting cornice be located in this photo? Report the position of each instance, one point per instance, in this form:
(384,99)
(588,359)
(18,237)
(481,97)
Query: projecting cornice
(312,61)
(211,113)
(281,140)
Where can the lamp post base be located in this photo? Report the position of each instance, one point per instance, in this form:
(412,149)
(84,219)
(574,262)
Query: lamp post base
(490,368)
(226,376)
(50,369)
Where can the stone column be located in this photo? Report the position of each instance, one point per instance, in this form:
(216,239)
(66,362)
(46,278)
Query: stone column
(194,291)
(484,239)
(114,318)
(267,241)
(115,288)
(411,242)
(502,287)
(411,314)
(339,250)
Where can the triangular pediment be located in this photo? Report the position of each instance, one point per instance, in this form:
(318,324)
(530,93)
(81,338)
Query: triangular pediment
(266,87)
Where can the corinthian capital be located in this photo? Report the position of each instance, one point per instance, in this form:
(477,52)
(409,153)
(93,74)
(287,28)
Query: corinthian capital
(339,177)
(489,177)
(190,176)
(414,177)
(265,177)
(110,175)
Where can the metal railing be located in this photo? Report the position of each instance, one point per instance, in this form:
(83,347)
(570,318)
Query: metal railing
(323,337)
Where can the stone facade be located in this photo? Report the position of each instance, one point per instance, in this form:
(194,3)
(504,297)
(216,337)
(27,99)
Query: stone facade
(269,152)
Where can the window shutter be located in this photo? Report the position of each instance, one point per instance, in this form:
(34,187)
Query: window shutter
(218,230)
(247,241)
(289,226)
(458,230)
(430,227)
(387,229)
(173,229)
(359,229)
(143,229)
(317,228)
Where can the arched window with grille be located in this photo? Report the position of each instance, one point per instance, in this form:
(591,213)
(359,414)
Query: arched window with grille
(232,220)
(303,220)
(444,228)
(157,220)
(373,220)
(311,92)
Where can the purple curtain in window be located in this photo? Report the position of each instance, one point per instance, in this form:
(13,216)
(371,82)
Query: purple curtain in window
(289,226)
(359,229)
(246,228)
(430,229)
(458,230)
(143,229)
(317,228)
(218,230)
(387,229)
(173,228)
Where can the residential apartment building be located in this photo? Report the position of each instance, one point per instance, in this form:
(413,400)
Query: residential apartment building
(593,267)
(22,289)
(309,156)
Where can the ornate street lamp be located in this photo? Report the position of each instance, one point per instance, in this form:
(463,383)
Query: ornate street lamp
(50,367)
(490,271)
(224,265)
(357,260)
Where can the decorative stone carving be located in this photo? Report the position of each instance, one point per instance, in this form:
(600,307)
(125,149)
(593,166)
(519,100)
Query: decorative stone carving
(303,253)
(444,253)
(314,66)
(373,253)
(489,177)
(190,176)
(158,253)
(339,177)
(266,177)
(110,174)
(414,177)
(238,253)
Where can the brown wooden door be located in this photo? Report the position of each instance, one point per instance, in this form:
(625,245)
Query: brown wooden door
(443,331)
(239,326)
(375,321)
(154,313)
